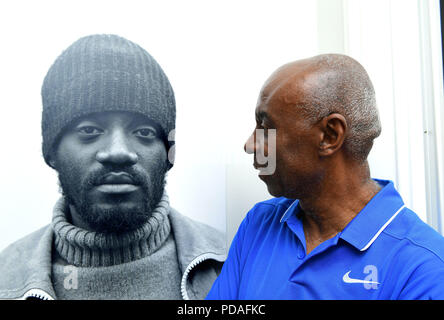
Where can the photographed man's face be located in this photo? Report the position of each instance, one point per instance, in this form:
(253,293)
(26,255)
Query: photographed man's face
(112,168)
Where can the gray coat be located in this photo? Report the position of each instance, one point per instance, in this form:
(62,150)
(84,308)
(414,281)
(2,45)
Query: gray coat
(25,266)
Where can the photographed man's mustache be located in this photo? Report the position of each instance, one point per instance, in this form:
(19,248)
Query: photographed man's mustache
(116,176)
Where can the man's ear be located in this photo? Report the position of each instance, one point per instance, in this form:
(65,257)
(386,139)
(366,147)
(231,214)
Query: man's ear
(334,128)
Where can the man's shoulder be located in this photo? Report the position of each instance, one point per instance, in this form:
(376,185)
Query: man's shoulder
(417,253)
(25,263)
(272,209)
(417,235)
(281,202)
(196,234)
(23,247)
(201,251)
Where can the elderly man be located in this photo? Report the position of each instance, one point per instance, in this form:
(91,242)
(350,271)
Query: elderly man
(108,111)
(332,232)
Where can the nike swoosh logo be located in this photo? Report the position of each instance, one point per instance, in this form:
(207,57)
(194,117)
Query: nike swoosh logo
(347,279)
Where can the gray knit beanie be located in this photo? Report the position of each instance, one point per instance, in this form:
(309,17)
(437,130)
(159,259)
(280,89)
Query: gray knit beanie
(104,73)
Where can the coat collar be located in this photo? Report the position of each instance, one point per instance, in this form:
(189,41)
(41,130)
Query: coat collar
(25,266)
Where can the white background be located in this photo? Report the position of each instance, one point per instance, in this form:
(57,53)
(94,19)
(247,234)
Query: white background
(217,54)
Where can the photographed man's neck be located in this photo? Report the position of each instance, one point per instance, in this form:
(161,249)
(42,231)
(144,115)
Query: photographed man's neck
(342,194)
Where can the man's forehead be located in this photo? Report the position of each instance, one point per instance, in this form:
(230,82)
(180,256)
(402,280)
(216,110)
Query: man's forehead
(289,84)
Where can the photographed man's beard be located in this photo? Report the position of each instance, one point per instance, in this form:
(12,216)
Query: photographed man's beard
(115,218)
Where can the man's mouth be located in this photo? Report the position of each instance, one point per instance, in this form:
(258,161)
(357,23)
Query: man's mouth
(116,183)
(263,170)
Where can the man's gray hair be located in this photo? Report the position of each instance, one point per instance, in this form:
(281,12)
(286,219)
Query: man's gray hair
(344,87)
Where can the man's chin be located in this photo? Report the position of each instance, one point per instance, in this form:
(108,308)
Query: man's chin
(274,193)
(272,188)
(117,218)
(117,207)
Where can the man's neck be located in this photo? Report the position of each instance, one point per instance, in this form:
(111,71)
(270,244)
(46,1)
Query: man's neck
(82,247)
(340,198)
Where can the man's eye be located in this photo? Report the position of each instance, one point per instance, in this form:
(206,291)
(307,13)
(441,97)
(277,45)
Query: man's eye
(145,133)
(89,130)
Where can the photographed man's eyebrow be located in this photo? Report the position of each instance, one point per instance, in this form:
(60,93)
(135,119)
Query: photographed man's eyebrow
(141,120)
(136,120)
(94,117)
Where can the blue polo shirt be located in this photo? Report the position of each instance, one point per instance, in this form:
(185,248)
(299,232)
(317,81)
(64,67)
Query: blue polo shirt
(385,252)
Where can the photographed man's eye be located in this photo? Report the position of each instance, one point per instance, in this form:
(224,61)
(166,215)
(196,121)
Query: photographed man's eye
(147,133)
(89,131)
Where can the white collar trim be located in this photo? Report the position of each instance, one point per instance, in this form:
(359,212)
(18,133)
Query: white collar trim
(382,229)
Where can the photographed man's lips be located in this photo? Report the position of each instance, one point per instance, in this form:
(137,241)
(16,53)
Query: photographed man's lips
(117,188)
(117,178)
(120,182)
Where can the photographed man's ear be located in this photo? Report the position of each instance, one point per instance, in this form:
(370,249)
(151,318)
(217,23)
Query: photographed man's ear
(171,148)
(334,129)
(52,163)
(51,160)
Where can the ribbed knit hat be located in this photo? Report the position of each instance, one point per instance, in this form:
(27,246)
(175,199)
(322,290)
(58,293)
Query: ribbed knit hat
(104,73)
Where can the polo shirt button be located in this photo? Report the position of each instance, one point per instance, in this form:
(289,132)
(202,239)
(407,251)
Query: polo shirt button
(301,252)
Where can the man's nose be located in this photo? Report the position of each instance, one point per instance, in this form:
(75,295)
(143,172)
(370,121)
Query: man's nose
(117,151)
(250,146)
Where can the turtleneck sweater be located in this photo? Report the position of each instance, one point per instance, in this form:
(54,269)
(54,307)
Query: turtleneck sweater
(138,264)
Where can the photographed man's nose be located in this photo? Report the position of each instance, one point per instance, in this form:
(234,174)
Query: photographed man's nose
(117,151)
(249,146)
